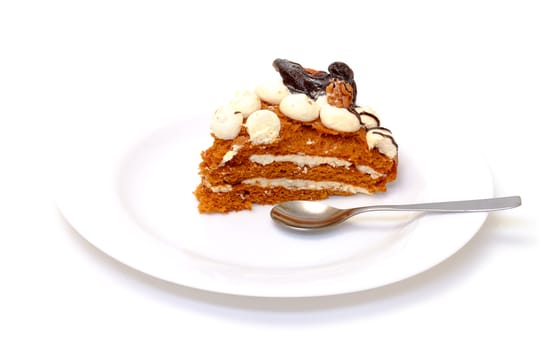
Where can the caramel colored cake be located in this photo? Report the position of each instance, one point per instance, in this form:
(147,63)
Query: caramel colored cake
(301,137)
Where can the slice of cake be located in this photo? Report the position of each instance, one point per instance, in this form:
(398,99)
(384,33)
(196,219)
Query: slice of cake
(301,137)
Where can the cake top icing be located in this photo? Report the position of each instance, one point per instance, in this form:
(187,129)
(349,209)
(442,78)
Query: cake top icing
(304,95)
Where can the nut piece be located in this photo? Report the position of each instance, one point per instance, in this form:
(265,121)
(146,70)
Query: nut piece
(339,93)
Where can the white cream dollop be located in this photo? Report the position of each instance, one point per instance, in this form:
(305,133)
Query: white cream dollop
(226,122)
(300,107)
(272,91)
(263,126)
(367,120)
(339,119)
(322,100)
(382,139)
(245,102)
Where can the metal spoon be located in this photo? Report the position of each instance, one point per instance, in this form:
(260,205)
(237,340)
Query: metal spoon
(311,215)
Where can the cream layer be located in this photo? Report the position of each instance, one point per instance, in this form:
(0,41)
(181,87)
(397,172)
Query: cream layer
(219,188)
(303,160)
(296,184)
(292,184)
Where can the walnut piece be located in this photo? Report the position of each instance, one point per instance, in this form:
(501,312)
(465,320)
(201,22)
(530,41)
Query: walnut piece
(339,93)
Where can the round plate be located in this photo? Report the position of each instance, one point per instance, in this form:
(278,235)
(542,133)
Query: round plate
(132,198)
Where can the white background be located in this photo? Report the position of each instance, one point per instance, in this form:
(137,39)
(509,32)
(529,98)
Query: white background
(73,71)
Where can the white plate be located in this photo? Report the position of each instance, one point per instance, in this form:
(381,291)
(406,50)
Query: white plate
(133,200)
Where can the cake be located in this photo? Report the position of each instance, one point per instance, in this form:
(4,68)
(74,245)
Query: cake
(300,136)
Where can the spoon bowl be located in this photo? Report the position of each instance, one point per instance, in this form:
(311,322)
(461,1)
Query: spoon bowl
(315,215)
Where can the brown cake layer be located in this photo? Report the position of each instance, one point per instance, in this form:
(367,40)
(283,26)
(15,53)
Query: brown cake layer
(243,196)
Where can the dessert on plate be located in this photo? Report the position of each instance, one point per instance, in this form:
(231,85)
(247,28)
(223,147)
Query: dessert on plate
(302,136)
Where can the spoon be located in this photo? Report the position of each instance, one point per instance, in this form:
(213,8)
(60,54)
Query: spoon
(311,215)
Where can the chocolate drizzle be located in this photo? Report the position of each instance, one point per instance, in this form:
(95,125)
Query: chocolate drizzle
(358,114)
(311,82)
(384,134)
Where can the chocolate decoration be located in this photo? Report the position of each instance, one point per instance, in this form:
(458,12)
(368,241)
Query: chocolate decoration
(358,114)
(384,135)
(381,128)
(342,71)
(311,82)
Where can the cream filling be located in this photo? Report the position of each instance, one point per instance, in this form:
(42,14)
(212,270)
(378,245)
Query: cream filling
(219,188)
(367,170)
(230,154)
(302,160)
(295,184)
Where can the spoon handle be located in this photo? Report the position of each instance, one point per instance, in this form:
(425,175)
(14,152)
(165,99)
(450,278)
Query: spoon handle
(468,206)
